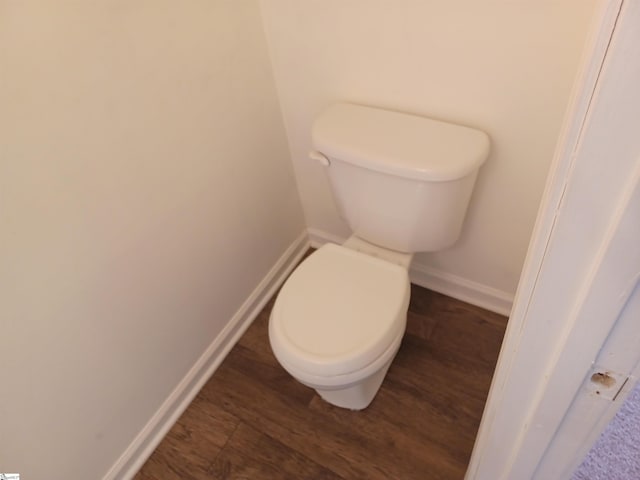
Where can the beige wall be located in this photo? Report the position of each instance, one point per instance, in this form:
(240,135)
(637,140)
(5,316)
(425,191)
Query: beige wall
(500,65)
(145,190)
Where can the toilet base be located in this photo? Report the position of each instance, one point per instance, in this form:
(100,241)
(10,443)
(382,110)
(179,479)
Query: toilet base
(356,396)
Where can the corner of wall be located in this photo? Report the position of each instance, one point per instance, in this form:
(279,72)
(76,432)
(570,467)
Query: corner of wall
(279,96)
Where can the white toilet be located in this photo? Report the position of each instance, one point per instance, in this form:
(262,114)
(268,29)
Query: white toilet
(403,183)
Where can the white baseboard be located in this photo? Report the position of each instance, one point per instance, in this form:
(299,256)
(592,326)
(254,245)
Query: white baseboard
(446,283)
(462,289)
(152,434)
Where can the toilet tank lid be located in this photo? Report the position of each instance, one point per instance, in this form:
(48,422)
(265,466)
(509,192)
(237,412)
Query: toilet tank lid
(398,143)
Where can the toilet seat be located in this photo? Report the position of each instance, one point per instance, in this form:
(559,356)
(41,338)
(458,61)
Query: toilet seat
(339,315)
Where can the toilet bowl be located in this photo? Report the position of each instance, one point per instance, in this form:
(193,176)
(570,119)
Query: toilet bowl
(338,322)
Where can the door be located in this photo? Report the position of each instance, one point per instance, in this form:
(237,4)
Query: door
(579,277)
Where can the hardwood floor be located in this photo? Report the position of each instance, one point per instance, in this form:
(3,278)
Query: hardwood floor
(253,421)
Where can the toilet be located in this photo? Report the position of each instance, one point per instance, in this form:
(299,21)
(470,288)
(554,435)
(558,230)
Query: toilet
(403,183)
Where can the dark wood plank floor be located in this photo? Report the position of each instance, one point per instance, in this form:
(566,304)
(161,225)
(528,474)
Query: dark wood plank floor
(253,421)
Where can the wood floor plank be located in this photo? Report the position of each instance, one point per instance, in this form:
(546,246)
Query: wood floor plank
(456,330)
(254,421)
(393,449)
(437,380)
(266,371)
(289,421)
(257,335)
(327,427)
(269,459)
(193,443)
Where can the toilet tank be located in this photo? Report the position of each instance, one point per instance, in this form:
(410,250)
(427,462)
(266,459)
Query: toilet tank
(401,181)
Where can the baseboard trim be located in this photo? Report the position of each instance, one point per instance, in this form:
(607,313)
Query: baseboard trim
(446,283)
(154,431)
(462,289)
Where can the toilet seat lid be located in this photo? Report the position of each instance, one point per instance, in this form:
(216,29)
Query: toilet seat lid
(338,311)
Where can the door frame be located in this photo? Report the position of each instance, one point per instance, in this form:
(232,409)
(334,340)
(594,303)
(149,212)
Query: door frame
(563,313)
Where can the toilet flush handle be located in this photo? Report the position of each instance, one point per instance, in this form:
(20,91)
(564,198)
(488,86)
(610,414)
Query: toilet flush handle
(319,157)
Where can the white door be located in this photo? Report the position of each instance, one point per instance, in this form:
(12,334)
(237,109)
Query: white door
(615,372)
(578,287)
